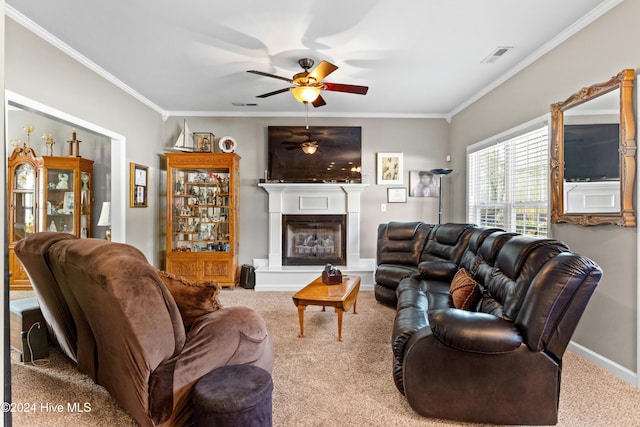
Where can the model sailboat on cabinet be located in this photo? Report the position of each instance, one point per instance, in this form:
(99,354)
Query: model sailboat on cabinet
(185,140)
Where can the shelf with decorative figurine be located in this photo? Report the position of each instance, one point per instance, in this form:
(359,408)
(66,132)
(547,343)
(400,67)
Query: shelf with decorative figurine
(202,210)
(46,193)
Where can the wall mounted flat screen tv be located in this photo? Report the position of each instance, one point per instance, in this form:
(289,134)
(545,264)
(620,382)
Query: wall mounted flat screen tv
(317,154)
(591,152)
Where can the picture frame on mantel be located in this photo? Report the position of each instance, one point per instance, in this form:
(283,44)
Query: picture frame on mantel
(139,191)
(390,169)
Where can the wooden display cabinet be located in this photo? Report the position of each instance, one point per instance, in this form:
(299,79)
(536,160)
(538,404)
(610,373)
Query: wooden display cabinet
(46,193)
(202,216)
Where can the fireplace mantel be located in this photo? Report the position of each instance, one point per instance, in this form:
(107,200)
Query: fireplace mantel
(315,199)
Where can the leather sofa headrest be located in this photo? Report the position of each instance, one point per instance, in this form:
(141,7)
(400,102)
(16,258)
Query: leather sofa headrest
(449,234)
(515,252)
(402,230)
(492,244)
(478,235)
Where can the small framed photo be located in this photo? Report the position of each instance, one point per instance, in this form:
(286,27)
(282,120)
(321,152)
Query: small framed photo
(203,142)
(389,169)
(397,195)
(424,184)
(139,191)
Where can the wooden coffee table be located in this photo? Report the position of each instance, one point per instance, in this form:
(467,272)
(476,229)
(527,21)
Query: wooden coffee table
(341,296)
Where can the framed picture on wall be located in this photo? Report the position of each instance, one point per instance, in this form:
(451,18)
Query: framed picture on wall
(139,191)
(389,170)
(397,195)
(424,184)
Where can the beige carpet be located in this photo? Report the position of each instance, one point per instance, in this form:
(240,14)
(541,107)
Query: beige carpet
(320,381)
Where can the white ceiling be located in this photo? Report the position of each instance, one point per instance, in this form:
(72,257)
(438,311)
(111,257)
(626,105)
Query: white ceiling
(420,58)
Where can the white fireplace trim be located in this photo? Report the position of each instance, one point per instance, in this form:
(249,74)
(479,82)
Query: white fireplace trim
(310,199)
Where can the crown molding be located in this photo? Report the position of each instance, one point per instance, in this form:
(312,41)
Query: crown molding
(577,26)
(21,19)
(301,114)
(547,47)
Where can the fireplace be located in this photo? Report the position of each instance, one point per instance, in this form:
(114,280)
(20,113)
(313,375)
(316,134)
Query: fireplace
(314,239)
(312,201)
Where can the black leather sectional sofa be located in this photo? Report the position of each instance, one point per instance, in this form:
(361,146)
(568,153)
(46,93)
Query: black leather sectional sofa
(497,359)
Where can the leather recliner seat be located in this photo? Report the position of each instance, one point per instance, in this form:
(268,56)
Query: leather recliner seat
(500,361)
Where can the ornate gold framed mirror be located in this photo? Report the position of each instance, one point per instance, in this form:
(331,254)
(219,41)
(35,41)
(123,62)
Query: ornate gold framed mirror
(593,155)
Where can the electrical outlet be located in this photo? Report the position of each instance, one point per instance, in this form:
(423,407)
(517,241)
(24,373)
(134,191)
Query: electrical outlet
(383,207)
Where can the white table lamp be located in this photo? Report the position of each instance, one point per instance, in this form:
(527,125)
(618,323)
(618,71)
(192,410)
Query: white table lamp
(105,219)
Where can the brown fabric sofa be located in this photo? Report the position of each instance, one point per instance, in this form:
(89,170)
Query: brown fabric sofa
(499,359)
(110,312)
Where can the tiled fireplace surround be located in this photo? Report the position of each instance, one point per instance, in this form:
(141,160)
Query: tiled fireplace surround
(311,199)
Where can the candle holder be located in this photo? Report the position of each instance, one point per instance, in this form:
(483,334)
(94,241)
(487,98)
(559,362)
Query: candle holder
(48,140)
(74,141)
(28,129)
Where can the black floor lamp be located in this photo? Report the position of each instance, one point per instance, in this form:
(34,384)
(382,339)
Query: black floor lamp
(441,174)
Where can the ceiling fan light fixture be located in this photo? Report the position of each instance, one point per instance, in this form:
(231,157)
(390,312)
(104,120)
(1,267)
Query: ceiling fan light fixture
(309,147)
(305,94)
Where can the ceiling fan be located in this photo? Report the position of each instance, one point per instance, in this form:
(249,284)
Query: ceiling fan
(308,145)
(308,84)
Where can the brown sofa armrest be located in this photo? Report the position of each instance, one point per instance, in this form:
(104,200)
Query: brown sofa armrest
(437,270)
(474,332)
(233,335)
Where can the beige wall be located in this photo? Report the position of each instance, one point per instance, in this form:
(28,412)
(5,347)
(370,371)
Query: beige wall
(593,55)
(422,141)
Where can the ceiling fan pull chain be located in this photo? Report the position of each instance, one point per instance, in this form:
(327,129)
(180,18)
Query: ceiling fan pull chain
(306,115)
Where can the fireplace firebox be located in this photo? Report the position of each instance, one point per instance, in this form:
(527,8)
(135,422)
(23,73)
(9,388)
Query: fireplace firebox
(314,239)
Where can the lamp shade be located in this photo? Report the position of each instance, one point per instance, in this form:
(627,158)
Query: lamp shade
(305,93)
(442,171)
(105,215)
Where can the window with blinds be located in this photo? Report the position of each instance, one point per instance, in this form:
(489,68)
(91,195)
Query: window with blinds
(508,182)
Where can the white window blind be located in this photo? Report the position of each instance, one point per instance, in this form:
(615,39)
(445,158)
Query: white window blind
(508,183)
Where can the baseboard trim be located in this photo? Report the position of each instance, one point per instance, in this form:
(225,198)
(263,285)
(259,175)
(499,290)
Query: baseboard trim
(608,365)
(294,278)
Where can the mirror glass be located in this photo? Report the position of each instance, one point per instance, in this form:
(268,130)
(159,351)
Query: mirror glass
(593,155)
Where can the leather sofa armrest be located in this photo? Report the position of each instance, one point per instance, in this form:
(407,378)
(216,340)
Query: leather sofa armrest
(437,270)
(474,332)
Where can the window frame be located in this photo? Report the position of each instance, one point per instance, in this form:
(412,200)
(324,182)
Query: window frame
(507,203)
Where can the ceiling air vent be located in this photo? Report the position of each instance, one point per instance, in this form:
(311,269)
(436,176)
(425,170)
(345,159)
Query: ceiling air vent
(244,104)
(496,54)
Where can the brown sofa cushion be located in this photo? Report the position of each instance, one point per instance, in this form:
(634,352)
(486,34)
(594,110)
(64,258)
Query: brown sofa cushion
(465,291)
(193,298)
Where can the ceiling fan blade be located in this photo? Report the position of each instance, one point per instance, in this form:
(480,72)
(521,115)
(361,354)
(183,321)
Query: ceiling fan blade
(319,102)
(322,70)
(337,87)
(275,92)
(261,73)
